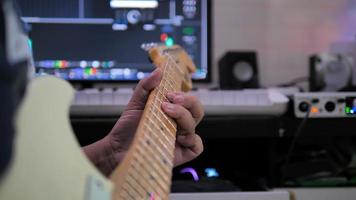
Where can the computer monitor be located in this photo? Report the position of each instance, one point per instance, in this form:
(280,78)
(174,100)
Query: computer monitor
(99,41)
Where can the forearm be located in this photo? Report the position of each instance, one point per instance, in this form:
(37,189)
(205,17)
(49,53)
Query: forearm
(102,156)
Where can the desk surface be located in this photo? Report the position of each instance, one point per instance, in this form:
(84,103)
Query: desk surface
(333,193)
(272,195)
(341,193)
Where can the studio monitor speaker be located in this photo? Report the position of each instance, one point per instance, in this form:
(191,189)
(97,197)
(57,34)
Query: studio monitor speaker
(330,72)
(238,70)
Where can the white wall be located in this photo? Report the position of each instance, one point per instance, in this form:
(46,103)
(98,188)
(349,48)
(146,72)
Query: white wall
(283,32)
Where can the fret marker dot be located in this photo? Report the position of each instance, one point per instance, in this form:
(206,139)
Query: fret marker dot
(165,161)
(151,177)
(148,142)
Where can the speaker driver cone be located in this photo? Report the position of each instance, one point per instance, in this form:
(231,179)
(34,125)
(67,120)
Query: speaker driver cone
(243,71)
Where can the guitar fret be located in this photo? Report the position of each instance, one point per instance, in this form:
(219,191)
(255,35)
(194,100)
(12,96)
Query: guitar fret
(165,90)
(164,125)
(167,125)
(153,154)
(143,150)
(168,141)
(166,159)
(170,129)
(131,190)
(174,63)
(154,165)
(150,178)
(144,184)
(173,72)
(154,178)
(145,179)
(175,75)
(159,159)
(171,81)
(167,119)
(125,194)
(160,101)
(153,186)
(160,97)
(166,73)
(156,146)
(162,131)
(140,182)
(162,118)
(137,186)
(166,81)
(128,192)
(150,188)
(170,86)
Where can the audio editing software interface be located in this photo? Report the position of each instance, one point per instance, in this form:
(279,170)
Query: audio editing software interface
(88,40)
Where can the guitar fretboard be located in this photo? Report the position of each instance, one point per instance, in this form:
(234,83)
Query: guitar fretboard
(147,169)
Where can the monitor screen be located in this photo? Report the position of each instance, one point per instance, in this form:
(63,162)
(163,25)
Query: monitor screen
(100,41)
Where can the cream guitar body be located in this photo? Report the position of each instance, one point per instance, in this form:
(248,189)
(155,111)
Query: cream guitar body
(48,163)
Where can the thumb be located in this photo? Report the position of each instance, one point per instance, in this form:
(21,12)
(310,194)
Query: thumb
(143,89)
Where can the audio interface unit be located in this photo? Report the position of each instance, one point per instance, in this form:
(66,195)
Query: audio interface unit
(325,104)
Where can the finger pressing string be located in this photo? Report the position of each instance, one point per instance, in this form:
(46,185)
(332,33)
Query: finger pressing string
(182,116)
(189,102)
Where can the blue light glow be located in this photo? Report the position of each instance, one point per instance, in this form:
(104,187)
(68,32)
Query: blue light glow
(211,172)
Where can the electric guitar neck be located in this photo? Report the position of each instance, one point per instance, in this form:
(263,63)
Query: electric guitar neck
(146,171)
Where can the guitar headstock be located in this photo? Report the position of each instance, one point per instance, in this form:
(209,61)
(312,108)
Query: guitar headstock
(160,55)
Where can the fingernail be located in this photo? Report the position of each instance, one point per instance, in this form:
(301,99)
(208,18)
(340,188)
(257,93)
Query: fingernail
(168,106)
(179,99)
(170,96)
